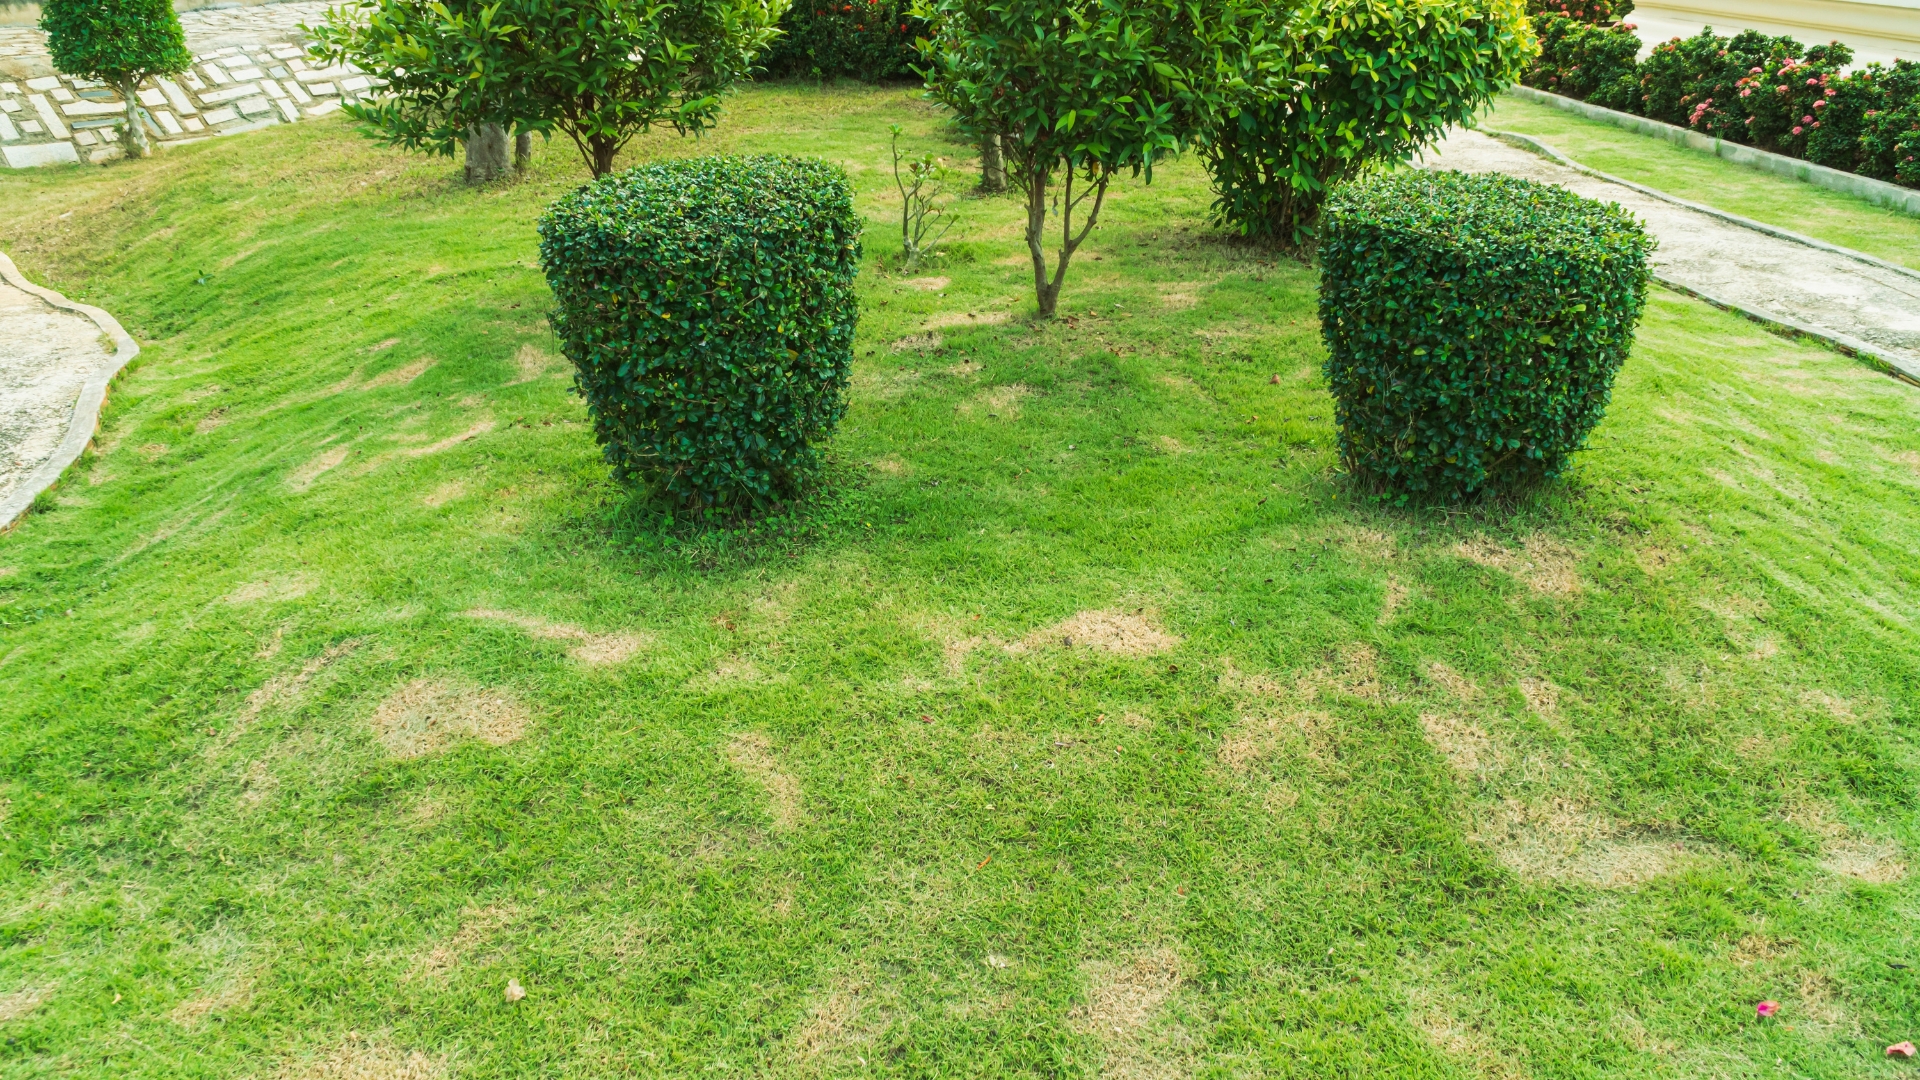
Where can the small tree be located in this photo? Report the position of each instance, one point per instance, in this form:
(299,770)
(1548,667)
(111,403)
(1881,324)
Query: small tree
(598,71)
(923,218)
(121,43)
(1336,87)
(1078,91)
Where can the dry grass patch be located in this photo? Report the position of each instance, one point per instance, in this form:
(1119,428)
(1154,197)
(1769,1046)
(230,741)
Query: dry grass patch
(998,402)
(236,995)
(752,754)
(1460,1039)
(1466,745)
(211,421)
(1173,446)
(927,284)
(588,648)
(1119,632)
(1544,565)
(1257,736)
(478,429)
(1542,697)
(1124,998)
(365,1059)
(477,927)
(427,715)
(891,465)
(530,362)
(1876,863)
(919,343)
(1395,596)
(284,687)
(968,318)
(1452,681)
(21,1002)
(445,493)
(303,477)
(838,1021)
(400,376)
(1563,840)
(271,590)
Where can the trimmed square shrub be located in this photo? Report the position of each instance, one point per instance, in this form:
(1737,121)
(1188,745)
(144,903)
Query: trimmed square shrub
(1474,325)
(708,307)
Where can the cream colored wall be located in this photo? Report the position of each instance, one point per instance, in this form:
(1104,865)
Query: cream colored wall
(1876,29)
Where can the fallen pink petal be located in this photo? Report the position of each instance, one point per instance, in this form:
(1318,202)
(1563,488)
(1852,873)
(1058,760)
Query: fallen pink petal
(1767,1008)
(1902,1049)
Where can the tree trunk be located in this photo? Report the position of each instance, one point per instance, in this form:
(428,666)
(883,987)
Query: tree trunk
(522,151)
(993,166)
(486,153)
(1044,294)
(604,150)
(133,138)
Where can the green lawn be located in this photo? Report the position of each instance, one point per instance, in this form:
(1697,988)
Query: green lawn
(1691,174)
(1085,725)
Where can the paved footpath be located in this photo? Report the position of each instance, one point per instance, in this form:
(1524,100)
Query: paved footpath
(1794,283)
(46,358)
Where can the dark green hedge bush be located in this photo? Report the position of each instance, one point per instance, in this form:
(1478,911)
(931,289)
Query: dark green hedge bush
(708,306)
(1474,326)
(869,40)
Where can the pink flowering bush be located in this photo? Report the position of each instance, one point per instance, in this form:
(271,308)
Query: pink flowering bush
(1769,92)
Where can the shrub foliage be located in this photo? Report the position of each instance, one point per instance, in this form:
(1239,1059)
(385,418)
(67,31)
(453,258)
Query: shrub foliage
(1769,92)
(119,42)
(1474,326)
(1331,89)
(869,40)
(708,307)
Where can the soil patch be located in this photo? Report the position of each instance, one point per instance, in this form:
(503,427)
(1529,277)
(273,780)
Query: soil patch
(426,715)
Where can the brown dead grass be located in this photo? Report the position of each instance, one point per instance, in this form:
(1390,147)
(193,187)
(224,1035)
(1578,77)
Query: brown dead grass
(303,477)
(532,361)
(365,1059)
(1453,682)
(211,421)
(283,688)
(1119,632)
(426,715)
(21,1002)
(1390,604)
(1172,445)
(477,927)
(838,1021)
(1543,564)
(1464,744)
(891,465)
(927,284)
(1542,697)
(1876,863)
(968,318)
(445,493)
(589,647)
(1124,997)
(1256,737)
(752,754)
(400,376)
(271,590)
(236,994)
(478,429)
(998,402)
(1460,1039)
(1563,840)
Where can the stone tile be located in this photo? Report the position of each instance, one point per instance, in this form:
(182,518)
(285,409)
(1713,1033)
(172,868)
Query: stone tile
(9,106)
(47,116)
(193,123)
(231,93)
(322,89)
(246,74)
(177,97)
(192,82)
(166,121)
(299,92)
(272,88)
(355,84)
(324,108)
(221,116)
(92,108)
(254,106)
(45,84)
(83,138)
(287,109)
(152,99)
(60,93)
(8,132)
(31,127)
(30,157)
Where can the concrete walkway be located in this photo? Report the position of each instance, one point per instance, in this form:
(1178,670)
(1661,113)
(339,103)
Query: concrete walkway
(1856,300)
(56,358)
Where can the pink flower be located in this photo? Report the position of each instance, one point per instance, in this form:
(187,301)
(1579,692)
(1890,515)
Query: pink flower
(1821,104)
(1806,119)
(1796,131)
(1753,71)
(1813,82)
(1746,93)
(1768,1008)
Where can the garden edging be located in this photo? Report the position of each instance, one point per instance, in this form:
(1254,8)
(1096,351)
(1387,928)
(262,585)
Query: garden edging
(1877,192)
(85,418)
(1845,343)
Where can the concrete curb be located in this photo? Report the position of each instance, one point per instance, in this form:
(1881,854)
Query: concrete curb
(1877,192)
(1904,370)
(86,411)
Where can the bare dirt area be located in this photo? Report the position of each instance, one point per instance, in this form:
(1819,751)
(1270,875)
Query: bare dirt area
(1777,277)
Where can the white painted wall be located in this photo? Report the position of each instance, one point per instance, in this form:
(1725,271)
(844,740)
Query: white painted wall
(1876,29)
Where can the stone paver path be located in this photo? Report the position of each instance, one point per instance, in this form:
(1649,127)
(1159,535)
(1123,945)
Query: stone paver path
(1792,282)
(46,358)
(249,72)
